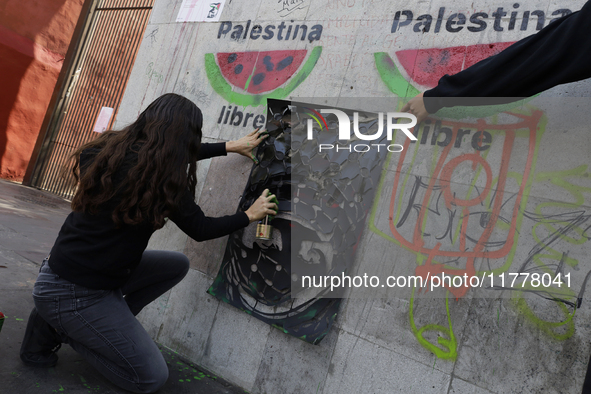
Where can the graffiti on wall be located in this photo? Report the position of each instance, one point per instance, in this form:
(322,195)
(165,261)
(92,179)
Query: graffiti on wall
(249,78)
(475,227)
(287,7)
(460,202)
(476,21)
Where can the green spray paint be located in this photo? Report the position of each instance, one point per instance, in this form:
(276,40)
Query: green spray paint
(392,77)
(449,344)
(566,180)
(224,89)
(545,326)
(561,179)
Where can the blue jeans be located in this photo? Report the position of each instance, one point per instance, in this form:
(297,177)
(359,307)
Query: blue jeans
(101,324)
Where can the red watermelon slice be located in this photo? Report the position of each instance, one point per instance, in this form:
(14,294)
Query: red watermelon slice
(259,72)
(427,66)
(249,78)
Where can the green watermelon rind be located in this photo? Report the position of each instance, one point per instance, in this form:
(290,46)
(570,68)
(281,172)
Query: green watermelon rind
(397,84)
(392,77)
(224,89)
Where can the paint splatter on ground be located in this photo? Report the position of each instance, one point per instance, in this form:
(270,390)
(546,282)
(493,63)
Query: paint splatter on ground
(73,375)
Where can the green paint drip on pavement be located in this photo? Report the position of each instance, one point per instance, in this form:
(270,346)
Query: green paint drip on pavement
(449,344)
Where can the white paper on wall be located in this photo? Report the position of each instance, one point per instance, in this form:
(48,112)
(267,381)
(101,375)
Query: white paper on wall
(200,11)
(103,119)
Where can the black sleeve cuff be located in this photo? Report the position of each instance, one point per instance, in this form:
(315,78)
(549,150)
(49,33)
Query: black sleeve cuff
(243,219)
(431,101)
(209,150)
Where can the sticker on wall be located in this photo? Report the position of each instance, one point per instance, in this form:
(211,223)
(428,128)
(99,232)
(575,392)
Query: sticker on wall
(249,78)
(200,11)
(103,119)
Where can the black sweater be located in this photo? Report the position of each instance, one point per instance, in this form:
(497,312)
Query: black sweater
(92,252)
(557,54)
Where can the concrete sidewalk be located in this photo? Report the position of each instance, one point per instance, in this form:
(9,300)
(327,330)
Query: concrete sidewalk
(29,223)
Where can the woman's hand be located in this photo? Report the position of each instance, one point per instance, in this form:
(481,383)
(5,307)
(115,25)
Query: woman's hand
(246,144)
(262,207)
(416,106)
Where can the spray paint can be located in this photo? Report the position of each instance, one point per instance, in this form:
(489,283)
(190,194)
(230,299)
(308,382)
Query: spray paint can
(264,229)
(1,320)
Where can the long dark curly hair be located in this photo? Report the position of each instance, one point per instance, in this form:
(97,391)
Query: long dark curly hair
(166,137)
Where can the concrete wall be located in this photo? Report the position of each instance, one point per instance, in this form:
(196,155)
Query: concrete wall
(461,343)
(34,39)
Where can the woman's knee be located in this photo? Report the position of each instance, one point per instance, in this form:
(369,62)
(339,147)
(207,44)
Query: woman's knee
(184,264)
(179,264)
(153,378)
(174,261)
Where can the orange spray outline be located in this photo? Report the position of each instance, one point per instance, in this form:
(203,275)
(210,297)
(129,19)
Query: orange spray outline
(429,268)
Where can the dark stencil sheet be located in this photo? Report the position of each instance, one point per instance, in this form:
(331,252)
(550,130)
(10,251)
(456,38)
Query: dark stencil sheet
(325,200)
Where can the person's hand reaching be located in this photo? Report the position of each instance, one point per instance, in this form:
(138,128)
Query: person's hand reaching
(246,144)
(416,106)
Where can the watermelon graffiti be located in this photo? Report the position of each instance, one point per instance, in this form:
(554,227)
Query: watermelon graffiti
(474,227)
(426,66)
(250,78)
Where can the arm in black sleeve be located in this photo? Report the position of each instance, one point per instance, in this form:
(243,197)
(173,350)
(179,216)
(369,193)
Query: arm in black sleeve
(557,54)
(207,151)
(193,222)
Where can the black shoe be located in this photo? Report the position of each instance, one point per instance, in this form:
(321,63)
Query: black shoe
(40,343)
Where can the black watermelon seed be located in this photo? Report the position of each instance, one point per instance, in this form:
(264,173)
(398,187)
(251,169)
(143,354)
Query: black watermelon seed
(232,58)
(257,79)
(284,63)
(238,69)
(268,64)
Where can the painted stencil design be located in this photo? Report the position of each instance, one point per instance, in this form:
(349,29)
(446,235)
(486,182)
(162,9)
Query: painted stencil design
(324,199)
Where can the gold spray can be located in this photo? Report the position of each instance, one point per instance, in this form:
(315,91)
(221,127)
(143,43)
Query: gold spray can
(264,230)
